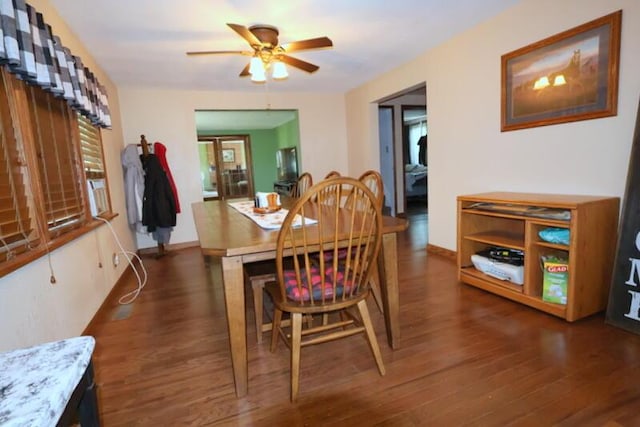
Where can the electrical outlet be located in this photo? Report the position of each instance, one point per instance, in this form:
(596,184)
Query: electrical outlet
(116,259)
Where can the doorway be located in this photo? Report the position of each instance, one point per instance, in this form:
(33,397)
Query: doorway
(414,149)
(225,167)
(267,131)
(402,163)
(406,175)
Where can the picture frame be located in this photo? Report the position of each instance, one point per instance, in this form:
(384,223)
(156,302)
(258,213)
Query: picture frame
(228,155)
(567,77)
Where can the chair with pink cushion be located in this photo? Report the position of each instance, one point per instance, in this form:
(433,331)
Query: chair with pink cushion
(340,285)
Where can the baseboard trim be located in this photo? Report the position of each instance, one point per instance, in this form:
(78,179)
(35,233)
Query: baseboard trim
(126,273)
(447,253)
(169,247)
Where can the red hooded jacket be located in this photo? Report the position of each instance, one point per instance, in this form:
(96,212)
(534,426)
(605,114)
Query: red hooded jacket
(161,153)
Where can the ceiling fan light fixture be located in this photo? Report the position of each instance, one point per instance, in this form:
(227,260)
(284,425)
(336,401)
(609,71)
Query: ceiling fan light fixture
(258,76)
(256,67)
(267,51)
(279,71)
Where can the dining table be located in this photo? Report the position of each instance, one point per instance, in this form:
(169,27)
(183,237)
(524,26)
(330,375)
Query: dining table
(235,239)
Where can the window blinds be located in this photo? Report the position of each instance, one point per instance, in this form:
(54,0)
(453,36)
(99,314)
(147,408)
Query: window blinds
(58,162)
(18,233)
(91,147)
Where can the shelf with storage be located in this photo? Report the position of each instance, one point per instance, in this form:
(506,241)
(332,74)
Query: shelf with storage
(515,220)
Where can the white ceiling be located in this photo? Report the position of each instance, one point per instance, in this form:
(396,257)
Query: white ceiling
(143,42)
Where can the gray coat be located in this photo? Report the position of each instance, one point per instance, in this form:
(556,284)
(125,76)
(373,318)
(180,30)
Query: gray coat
(133,186)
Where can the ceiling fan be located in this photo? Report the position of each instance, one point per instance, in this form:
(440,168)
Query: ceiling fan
(267,51)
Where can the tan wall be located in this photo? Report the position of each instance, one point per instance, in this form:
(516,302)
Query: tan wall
(168,116)
(32,309)
(467,152)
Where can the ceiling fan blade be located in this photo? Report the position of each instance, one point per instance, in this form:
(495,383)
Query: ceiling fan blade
(219,52)
(245,71)
(298,63)
(316,43)
(245,34)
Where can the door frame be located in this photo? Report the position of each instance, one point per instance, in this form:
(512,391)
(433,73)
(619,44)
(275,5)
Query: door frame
(217,141)
(395,101)
(391,153)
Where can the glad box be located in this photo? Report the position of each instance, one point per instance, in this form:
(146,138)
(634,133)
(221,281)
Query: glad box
(555,277)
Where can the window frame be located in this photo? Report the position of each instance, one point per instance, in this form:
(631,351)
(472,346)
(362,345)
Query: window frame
(25,144)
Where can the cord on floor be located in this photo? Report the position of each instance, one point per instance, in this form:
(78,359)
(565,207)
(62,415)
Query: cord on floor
(129,297)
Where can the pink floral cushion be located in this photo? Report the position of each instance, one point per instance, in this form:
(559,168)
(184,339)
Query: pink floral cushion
(319,285)
(328,254)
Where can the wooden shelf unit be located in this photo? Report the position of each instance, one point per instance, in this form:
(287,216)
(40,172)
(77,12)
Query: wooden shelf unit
(506,223)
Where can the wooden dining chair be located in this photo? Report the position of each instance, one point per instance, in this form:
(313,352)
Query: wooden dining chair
(304,182)
(339,285)
(257,274)
(373,180)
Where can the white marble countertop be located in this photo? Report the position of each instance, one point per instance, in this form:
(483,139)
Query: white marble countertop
(37,382)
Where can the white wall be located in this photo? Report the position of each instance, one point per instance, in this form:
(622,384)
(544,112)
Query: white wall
(467,152)
(32,310)
(168,116)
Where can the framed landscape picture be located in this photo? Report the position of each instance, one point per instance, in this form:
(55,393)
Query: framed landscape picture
(567,77)
(228,156)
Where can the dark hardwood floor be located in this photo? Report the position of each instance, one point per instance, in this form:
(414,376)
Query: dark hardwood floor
(467,357)
(416,206)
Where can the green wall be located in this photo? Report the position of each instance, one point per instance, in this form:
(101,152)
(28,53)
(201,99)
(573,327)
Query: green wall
(204,165)
(288,135)
(264,143)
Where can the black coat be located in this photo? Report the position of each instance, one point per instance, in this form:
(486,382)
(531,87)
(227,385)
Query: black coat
(158,205)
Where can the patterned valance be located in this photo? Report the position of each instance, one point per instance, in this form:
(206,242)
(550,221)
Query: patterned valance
(34,54)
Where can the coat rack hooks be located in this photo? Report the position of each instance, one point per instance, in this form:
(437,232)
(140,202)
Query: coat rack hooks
(145,145)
